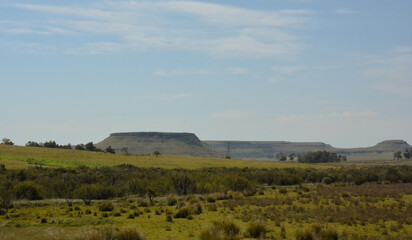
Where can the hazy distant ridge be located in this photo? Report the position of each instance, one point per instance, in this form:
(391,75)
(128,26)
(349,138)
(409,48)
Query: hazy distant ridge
(269,149)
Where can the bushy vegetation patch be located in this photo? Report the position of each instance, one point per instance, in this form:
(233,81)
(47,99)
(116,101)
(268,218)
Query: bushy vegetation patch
(108,182)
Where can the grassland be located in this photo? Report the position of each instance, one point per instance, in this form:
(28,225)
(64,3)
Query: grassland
(380,208)
(347,212)
(22,157)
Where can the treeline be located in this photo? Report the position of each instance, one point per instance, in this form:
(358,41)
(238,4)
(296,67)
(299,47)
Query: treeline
(83,147)
(321,157)
(49,144)
(108,182)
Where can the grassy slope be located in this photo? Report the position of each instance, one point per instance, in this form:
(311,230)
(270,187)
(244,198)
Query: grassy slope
(20,157)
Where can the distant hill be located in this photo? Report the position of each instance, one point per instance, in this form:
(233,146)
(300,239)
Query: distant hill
(269,149)
(181,144)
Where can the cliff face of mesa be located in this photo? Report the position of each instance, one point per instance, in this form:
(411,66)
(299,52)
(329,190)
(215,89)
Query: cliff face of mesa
(181,144)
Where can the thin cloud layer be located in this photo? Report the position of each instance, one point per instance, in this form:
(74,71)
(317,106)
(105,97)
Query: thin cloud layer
(212,29)
(354,114)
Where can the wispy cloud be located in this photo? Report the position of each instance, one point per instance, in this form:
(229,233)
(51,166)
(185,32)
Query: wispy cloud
(354,114)
(390,72)
(237,70)
(164,96)
(285,72)
(345,11)
(214,29)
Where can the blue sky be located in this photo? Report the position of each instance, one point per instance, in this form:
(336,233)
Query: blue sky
(297,70)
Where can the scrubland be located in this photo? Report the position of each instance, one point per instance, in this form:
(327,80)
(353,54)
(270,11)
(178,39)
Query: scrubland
(46,194)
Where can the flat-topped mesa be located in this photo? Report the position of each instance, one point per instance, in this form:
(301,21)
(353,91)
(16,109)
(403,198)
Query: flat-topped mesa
(189,138)
(393,145)
(167,143)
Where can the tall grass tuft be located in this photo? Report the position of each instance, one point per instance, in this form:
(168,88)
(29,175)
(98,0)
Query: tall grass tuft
(223,230)
(257,229)
(112,234)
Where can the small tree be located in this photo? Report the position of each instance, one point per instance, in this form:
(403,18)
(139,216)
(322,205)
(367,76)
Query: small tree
(125,151)
(109,149)
(79,147)
(282,158)
(50,144)
(291,156)
(156,153)
(397,155)
(407,154)
(86,193)
(33,144)
(90,147)
(6,200)
(7,141)
(150,194)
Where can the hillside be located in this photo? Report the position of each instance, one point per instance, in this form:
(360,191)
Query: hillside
(180,144)
(18,157)
(269,149)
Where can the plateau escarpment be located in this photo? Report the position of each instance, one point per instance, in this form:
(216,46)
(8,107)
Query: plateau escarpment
(181,144)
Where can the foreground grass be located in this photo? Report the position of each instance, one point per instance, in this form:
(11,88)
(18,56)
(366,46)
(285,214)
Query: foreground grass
(349,211)
(21,157)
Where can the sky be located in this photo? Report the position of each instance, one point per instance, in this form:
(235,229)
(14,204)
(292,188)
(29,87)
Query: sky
(338,72)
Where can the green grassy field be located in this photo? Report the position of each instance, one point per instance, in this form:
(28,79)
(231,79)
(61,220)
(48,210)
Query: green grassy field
(21,157)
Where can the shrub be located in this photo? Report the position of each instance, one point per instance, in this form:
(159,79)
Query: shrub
(327,180)
(171,200)
(27,190)
(305,234)
(6,200)
(211,207)
(197,209)
(43,220)
(182,213)
(106,207)
(256,229)
(211,199)
(283,190)
(329,234)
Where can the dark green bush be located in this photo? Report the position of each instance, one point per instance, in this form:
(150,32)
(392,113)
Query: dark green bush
(106,206)
(182,213)
(27,190)
(304,234)
(327,180)
(257,229)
